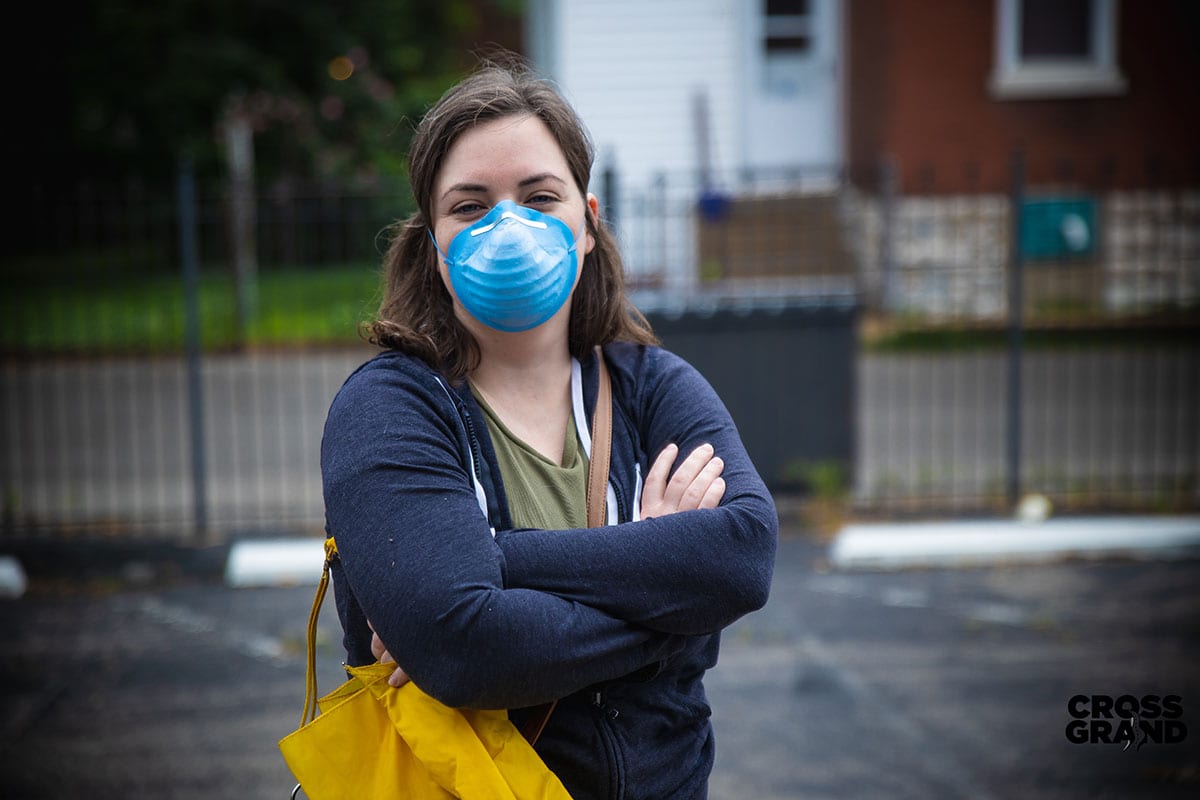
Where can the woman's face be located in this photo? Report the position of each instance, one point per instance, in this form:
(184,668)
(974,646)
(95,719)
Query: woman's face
(511,158)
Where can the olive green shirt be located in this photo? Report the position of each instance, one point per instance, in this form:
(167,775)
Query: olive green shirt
(541,494)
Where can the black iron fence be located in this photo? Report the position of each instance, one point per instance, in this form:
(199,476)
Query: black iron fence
(1037,339)
(908,353)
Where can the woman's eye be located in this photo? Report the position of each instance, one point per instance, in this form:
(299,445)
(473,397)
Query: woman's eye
(541,199)
(467,209)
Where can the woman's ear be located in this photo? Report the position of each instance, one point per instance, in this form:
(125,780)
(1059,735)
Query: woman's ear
(593,211)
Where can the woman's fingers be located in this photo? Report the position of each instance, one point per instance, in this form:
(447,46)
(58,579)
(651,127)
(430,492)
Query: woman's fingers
(656,478)
(693,496)
(398,678)
(653,504)
(686,473)
(378,649)
(714,493)
(696,482)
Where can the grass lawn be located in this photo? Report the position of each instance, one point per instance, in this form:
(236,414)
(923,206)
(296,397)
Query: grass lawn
(45,310)
(145,314)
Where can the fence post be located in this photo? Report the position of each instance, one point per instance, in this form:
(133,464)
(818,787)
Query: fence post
(243,214)
(1016,299)
(609,178)
(189,260)
(888,188)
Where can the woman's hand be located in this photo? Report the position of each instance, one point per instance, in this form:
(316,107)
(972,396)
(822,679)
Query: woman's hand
(398,677)
(696,484)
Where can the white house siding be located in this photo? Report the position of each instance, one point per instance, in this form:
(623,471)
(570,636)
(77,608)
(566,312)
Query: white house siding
(633,69)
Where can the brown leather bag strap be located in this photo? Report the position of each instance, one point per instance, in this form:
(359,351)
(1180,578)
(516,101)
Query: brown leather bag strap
(597,488)
(533,727)
(597,504)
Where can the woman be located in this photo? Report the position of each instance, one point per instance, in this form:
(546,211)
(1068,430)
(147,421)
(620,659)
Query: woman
(452,464)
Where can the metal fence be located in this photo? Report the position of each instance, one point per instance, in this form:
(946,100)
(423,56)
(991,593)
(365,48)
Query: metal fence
(984,346)
(1041,339)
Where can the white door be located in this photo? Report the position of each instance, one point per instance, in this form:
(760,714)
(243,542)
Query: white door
(792,99)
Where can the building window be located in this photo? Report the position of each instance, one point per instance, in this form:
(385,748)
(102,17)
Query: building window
(787,44)
(1056,48)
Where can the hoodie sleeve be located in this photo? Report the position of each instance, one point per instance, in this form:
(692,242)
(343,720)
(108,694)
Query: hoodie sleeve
(422,563)
(689,573)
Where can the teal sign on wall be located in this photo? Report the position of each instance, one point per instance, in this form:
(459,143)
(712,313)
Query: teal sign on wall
(1058,227)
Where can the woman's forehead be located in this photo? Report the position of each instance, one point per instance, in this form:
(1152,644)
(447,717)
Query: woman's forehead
(498,151)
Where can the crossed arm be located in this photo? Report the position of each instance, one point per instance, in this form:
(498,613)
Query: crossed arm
(695,484)
(526,615)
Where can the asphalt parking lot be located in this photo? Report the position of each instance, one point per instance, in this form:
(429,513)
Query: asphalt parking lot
(154,679)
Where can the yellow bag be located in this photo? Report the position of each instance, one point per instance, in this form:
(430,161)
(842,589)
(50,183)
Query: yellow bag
(375,742)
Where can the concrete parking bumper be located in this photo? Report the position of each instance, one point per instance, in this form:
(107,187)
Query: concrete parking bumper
(981,542)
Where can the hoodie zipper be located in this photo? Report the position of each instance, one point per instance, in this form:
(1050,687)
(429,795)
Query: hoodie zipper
(604,716)
(489,508)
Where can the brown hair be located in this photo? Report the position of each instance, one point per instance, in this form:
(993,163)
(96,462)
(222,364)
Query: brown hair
(417,313)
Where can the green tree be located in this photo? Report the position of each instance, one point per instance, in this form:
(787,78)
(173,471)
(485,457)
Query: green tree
(108,89)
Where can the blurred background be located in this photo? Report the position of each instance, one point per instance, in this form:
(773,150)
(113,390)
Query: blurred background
(934,256)
(937,257)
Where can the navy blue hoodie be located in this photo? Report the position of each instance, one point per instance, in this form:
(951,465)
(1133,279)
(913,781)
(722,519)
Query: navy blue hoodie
(620,622)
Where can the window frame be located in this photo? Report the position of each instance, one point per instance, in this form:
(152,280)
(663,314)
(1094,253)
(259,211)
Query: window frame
(784,26)
(1017,78)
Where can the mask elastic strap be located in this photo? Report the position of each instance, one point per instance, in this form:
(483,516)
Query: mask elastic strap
(575,244)
(435,244)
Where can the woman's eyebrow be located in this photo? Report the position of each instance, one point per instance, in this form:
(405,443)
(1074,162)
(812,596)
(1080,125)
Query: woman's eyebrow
(479,188)
(541,176)
(464,187)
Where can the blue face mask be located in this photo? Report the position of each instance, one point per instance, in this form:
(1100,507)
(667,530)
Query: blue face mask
(514,268)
